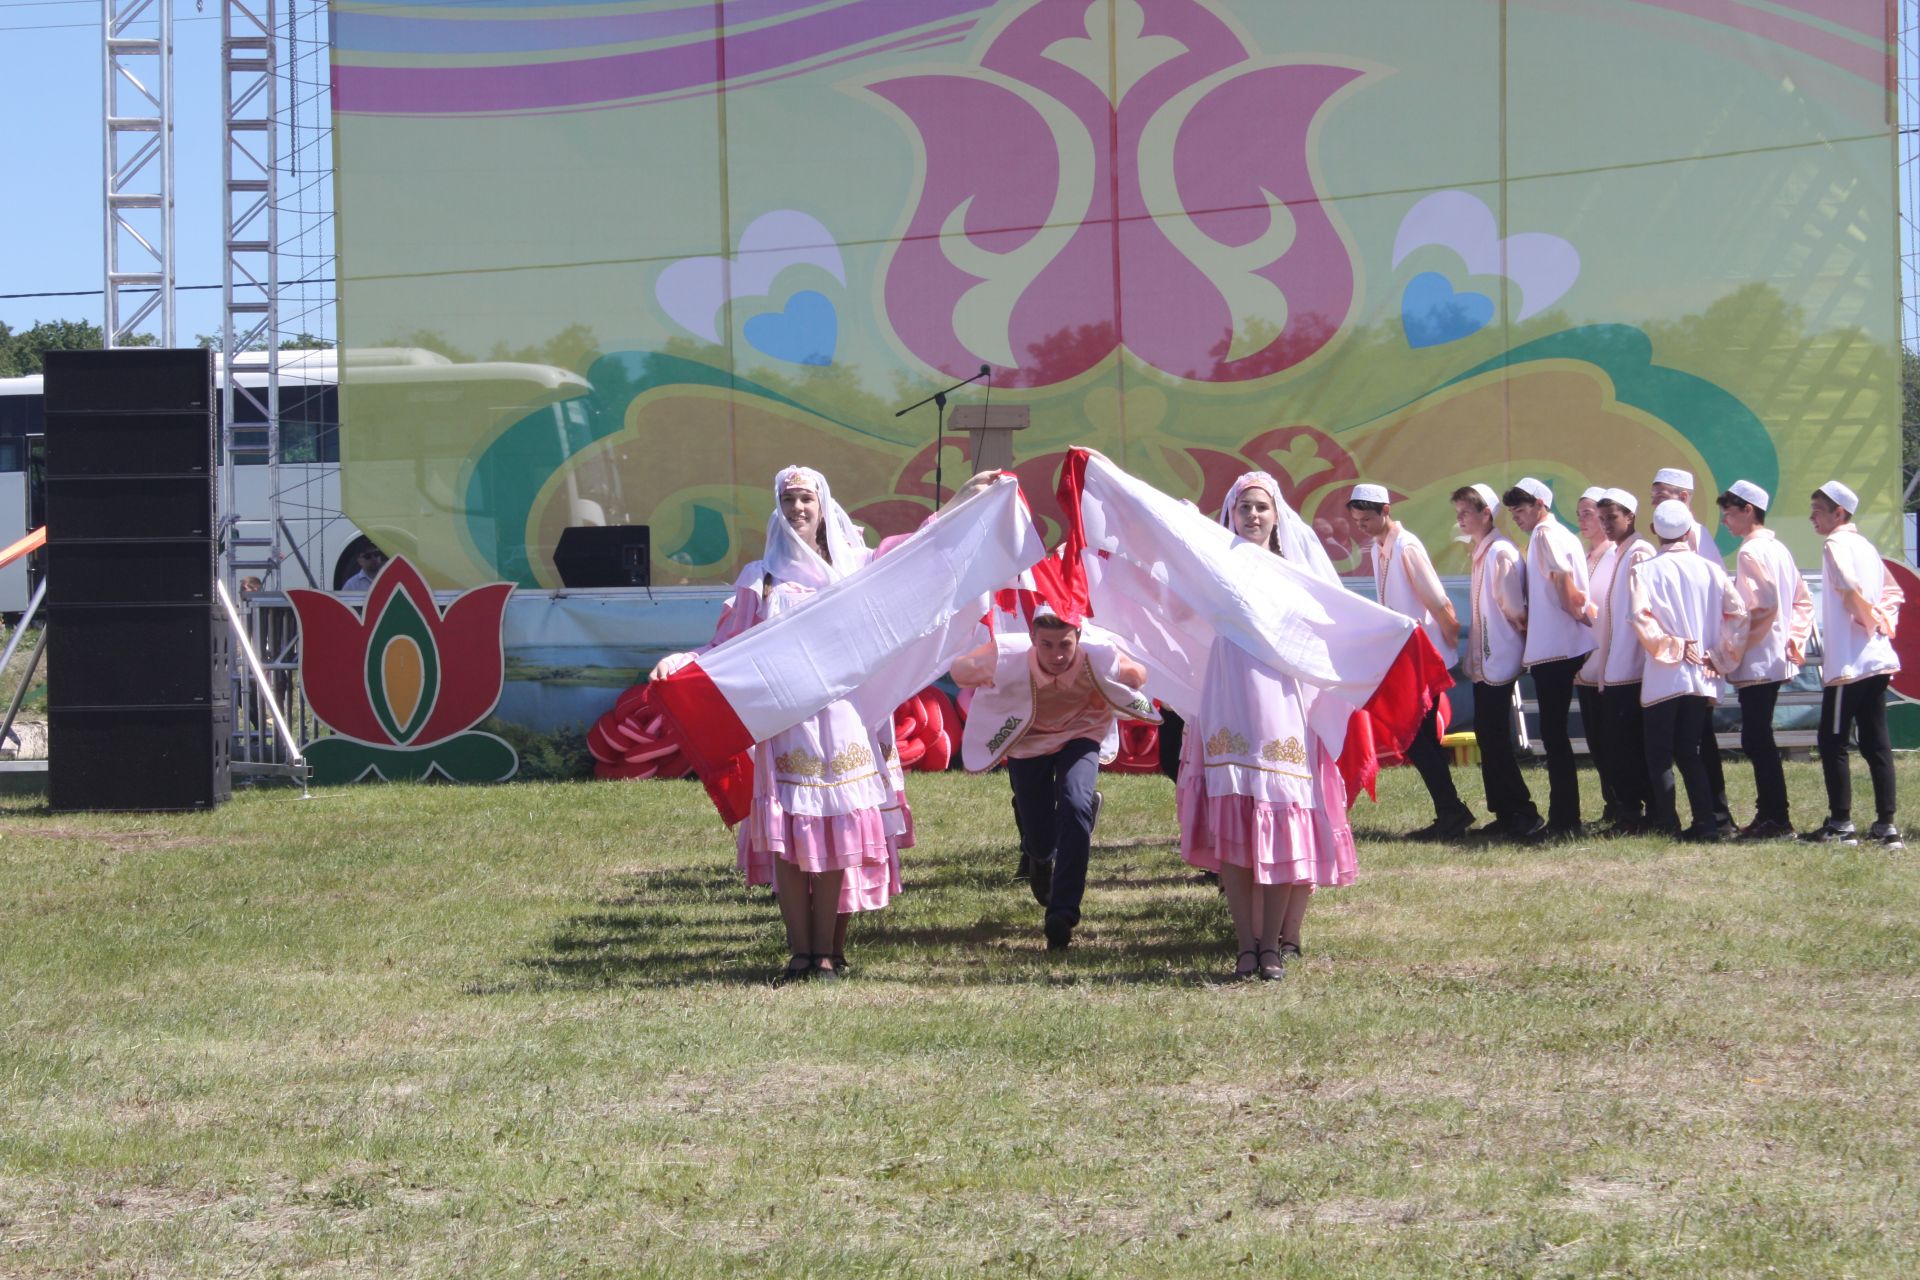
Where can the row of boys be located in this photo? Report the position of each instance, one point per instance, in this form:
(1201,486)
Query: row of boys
(1642,632)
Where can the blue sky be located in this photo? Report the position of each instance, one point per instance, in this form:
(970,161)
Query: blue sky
(50,200)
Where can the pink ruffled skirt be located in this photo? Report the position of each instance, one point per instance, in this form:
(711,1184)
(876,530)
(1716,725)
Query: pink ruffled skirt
(856,843)
(1282,843)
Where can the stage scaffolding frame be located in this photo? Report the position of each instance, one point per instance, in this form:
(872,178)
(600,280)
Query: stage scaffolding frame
(250,281)
(137,170)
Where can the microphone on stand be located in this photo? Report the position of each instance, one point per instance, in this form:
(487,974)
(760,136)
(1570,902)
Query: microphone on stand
(939,402)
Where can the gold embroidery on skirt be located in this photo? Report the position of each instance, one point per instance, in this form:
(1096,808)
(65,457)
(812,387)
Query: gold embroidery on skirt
(1225,742)
(1292,751)
(801,763)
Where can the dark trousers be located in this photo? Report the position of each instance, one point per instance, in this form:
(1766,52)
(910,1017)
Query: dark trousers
(1843,708)
(1626,752)
(1716,776)
(1553,688)
(1427,756)
(1507,793)
(1053,796)
(1672,729)
(1756,739)
(1593,720)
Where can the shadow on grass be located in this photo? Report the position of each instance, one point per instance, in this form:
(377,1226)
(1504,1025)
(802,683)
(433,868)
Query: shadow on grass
(690,927)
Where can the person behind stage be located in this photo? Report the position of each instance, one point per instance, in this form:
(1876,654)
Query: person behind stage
(1261,801)
(1617,664)
(1496,645)
(1403,575)
(1675,484)
(1688,617)
(1779,620)
(826,819)
(1559,637)
(1046,703)
(1859,611)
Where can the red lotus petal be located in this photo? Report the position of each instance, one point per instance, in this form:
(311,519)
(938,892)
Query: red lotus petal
(472,666)
(333,658)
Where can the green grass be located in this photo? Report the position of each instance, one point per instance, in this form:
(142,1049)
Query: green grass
(525,1030)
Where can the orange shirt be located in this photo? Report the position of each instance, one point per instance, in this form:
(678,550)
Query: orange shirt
(1065,707)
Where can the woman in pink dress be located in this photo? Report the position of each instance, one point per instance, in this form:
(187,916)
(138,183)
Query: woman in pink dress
(829,813)
(1260,799)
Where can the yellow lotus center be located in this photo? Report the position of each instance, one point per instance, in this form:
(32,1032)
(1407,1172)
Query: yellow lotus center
(403,673)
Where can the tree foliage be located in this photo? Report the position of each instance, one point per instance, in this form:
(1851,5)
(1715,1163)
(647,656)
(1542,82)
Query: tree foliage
(22,353)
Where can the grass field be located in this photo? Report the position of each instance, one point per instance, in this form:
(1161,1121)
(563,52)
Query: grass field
(525,1030)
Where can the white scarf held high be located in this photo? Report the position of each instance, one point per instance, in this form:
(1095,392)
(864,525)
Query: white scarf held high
(1170,580)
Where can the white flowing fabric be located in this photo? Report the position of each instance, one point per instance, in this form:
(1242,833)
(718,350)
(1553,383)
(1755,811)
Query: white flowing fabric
(877,637)
(1167,580)
(1298,542)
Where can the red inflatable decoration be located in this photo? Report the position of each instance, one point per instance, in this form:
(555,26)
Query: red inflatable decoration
(926,731)
(631,741)
(1139,748)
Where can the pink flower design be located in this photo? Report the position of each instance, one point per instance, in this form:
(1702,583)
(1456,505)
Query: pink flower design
(1168,206)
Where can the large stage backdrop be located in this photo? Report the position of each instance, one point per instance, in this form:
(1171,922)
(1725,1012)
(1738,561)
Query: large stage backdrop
(660,249)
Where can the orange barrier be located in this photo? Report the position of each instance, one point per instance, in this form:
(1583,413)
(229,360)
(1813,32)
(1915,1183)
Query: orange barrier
(27,545)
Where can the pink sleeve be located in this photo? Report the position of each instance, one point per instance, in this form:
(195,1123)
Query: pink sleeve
(1660,646)
(742,612)
(1734,624)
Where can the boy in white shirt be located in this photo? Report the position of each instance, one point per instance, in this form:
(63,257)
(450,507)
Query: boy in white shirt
(1496,645)
(1859,609)
(1779,620)
(1404,576)
(1559,638)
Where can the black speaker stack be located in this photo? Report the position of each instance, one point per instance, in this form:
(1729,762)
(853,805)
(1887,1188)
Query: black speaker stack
(139,712)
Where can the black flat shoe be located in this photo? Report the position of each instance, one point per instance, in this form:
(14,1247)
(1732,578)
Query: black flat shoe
(798,969)
(1248,974)
(841,967)
(1275,971)
(823,970)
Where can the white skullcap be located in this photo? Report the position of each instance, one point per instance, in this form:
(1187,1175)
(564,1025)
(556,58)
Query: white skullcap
(1672,519)
(1620,498)
(1592,493)
(1488,498)
(1750,493)
(1842,496)
(1674,476)
(1537,488)
(1370,493)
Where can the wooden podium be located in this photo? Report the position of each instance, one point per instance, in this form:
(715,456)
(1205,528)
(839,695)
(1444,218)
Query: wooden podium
(990,432)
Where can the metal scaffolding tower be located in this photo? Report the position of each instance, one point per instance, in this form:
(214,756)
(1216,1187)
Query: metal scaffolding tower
(250,281)
(138,92)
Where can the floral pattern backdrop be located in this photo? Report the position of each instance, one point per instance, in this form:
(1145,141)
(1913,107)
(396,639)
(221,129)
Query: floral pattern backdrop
(618,263)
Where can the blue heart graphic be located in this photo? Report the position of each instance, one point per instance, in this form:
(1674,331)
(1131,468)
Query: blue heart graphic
(804,333)
(1433,313)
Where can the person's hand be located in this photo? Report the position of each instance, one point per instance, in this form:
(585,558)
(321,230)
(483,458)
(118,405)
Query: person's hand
(1795,653)
(1694,654)
(669,664)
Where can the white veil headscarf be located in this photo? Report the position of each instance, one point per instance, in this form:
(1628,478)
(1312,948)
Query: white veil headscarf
(1298,543)
(790,559)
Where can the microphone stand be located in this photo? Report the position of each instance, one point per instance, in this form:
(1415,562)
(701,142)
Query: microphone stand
(939,401)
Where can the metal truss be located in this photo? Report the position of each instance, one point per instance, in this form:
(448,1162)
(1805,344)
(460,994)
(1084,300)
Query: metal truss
(250,280)
(137,85)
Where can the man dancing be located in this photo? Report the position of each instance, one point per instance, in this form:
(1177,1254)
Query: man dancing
(1045,703)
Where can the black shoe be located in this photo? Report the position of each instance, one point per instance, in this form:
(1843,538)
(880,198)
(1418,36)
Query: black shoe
(1831,832)
(1290,951)
(1450,826)
(822,970)
(1564,831)
(1040,880)
(1496,829)
(1275,971)
(798,969)
(841,967)
(1527,830)
(1704,835)
(1246,975)
(1765,829)
(1886,835)
(1059,931)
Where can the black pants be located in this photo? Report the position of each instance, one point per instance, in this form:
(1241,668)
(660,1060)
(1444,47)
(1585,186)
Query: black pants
(1672,729)
(1553,688)
(1716,776)
(1507,793)
(1593,719)
(1626,752)
(1756,739)
(1053,796)
(1426,755)
(1862,705)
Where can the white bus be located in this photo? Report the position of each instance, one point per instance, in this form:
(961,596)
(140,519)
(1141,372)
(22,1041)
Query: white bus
(317,543)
